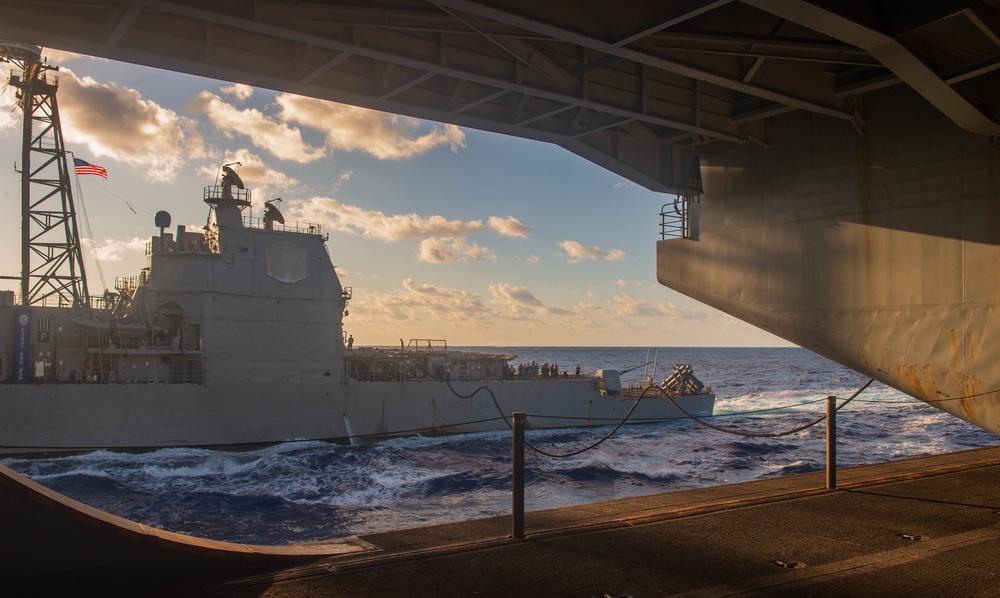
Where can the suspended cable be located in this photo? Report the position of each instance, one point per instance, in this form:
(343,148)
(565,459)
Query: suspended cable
(533,447)
(770,434)
(119,198)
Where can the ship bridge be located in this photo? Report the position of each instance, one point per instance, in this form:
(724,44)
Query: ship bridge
(835,165)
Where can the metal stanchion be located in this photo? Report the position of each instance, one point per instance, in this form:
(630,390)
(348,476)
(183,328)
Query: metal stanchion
(520,422)
(831,443)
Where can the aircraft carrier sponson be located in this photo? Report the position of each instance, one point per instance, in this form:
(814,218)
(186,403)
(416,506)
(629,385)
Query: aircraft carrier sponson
(877,251)
(836,162)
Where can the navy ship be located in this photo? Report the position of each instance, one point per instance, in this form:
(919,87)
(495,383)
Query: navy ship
(233,335)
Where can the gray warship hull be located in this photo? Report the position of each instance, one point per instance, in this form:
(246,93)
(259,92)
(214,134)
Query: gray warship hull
(125,415)
(234,335)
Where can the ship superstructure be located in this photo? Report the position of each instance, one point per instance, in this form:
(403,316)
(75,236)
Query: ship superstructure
(233,335)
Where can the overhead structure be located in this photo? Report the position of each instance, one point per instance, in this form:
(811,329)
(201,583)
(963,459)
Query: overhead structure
(51,256)
(634,88)
(845,153)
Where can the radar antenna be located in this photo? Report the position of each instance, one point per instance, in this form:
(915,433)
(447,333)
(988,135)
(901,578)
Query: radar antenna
(49,232)
(272,214)
(227,204)
(230,178)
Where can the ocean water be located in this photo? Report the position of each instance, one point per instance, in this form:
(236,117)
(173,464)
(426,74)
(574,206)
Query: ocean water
(307,491)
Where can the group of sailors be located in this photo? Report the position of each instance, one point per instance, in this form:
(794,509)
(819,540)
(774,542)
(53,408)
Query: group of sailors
(545,370)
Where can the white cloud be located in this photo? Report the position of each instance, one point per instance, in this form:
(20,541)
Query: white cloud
(262,179)
(115,122)
(621,282)
(349,128)
(374,224)
(281,140)
(509,226)
(416,306)
(113,250)
(626,306)
(445,250)
(577,252)
(515,300)
(238,91)
(60,57)
(10,114)
(511,295)
(343,178)
(416,301)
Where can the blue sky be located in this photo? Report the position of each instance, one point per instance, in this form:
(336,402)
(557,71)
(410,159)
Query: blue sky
(442,232)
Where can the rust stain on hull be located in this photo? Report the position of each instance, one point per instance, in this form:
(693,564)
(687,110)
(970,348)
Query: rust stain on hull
(970,389)
(907,374)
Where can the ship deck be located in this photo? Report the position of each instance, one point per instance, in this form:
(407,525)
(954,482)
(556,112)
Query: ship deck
(928,526)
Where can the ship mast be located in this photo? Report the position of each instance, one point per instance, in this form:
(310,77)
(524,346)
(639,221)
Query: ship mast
(49,234)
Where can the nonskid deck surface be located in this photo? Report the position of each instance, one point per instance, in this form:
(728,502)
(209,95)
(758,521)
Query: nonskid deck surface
(915,527)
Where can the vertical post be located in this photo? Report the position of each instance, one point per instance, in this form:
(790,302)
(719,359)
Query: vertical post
(831,443)
(28,106)
(520,421)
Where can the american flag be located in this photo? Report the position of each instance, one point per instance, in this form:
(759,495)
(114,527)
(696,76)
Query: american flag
(84,167)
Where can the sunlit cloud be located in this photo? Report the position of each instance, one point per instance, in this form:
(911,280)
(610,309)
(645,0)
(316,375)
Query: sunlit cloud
(509,226)
(343,178)
(239,91)
(577,252)
(511,295)
(262,179)
(422,303)
(350,128)
(417,301)
(445,250)
(194,142)
(374,224)
(116,122)
(626,306)
(60,57)
(415,307)
(278,138)
(114,250)
(519,300)
(621,282)
(10,114)
(534,259)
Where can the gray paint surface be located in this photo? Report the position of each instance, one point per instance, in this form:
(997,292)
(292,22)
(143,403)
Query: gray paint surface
(878,251)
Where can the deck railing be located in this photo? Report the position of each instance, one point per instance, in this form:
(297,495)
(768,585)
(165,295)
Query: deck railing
(674,219)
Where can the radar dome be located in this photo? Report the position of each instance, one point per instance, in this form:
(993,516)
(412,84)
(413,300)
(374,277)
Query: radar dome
(162,219)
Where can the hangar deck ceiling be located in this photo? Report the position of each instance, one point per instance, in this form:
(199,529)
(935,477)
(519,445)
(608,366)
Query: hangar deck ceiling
(626,85)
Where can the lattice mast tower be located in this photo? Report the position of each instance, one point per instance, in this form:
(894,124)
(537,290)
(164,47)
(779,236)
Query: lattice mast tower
(51,255)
